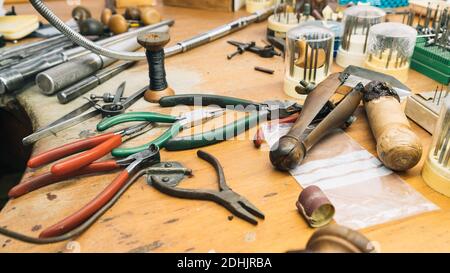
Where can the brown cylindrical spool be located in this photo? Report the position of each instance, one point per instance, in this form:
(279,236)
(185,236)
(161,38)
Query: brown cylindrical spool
(315,206)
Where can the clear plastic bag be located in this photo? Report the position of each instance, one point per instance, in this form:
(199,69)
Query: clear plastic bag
(363,191)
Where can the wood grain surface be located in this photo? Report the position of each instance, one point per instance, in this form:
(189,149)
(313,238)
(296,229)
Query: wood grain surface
(145,220)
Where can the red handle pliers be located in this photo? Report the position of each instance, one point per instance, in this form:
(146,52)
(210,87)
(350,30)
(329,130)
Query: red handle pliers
(132,163)
(92,149)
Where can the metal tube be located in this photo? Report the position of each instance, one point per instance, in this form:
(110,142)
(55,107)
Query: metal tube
(61,76)
(80,88)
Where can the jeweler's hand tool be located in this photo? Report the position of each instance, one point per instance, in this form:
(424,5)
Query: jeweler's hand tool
(134,163)
(264,52)
(79,115)
(172,173)
(179,123)
(292,148)
(257,111)
(225,196)
(92,149)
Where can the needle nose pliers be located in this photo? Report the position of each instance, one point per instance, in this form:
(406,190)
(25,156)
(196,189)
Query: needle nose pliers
(257,111)
(225,196)
(186,120)
(92,149)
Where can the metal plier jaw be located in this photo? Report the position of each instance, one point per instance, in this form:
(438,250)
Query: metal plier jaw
(225,196)
(278,109)
(198,117)
(142,159)
(136,130)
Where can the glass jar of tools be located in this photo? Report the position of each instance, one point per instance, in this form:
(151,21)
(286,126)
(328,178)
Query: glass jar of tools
(287,15)
(390,47)
(357,22)
(255,5)
(309,56)
(436,171)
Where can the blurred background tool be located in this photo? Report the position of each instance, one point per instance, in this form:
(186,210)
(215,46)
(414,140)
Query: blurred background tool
(255,5)
(357,22)
(423,108)
(436,171)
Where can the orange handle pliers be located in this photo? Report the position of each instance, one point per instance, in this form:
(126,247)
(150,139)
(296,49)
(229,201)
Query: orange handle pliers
(92,149)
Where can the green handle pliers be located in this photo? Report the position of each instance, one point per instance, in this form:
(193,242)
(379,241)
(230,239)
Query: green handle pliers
(179,123)
(257,111)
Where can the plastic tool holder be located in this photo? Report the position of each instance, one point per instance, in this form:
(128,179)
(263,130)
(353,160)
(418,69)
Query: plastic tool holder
(336,27)
(285,19)
(389,49)
(357,22)
(436,171)
(309,57)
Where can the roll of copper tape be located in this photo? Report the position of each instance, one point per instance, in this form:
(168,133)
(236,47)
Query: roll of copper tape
(315,207)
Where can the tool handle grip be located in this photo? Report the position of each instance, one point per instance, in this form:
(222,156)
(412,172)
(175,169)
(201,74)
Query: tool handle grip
(86,158)
(161,142)
(88,210)
(204,100)
(135,116)
(48,178)
(215,136)
(66,150)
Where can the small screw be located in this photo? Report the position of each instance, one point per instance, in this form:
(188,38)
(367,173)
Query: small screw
(166,179)
(168,165)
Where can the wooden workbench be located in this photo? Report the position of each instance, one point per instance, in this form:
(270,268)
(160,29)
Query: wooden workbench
(145,220)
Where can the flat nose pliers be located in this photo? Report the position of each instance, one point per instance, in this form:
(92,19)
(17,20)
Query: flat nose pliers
(225,196)
(186,120)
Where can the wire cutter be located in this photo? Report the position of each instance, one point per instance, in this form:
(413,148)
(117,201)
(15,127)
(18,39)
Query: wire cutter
(132,165)
(92,149)
(225,196)
(186,120)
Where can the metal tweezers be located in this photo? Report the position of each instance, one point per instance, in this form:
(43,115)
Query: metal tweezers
(225,196)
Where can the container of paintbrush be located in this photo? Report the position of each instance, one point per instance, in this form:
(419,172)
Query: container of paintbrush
(436,171)
(255,5)
(389,49)
(358,20)
(309,57)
